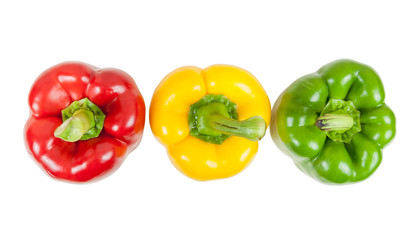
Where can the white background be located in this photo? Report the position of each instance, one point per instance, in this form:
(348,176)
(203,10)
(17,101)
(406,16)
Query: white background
(147,198)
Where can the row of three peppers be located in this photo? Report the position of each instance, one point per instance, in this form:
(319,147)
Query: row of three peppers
(86,120)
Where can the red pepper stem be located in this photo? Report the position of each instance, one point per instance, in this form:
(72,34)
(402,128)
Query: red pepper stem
(73,129)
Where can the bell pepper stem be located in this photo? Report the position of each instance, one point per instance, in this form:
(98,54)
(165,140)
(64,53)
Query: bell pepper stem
(72,129)
(253,128)
(214,118)
(338,121)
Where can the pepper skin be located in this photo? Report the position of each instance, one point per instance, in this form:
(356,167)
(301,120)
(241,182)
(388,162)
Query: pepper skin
(110,91)
(334,123)
(176,97)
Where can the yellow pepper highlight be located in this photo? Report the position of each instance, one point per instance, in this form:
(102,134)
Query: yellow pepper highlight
(169,111)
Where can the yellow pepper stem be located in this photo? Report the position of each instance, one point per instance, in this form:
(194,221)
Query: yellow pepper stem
(253,128)
(214,118)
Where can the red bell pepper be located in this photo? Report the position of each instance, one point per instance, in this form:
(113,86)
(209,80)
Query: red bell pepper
(84,120)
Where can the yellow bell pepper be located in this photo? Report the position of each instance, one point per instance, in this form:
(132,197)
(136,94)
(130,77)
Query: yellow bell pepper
(210,119)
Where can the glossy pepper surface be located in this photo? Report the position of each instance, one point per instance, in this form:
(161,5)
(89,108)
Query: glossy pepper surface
(84,120)
(210,119)
(334,123)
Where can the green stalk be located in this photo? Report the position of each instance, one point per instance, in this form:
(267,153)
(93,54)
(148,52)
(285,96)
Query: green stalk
(338,121)
(214,118)
(73,129)
(253,128)
(82,120)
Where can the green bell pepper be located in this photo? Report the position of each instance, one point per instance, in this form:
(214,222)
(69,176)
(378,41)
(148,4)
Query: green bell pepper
(334,123)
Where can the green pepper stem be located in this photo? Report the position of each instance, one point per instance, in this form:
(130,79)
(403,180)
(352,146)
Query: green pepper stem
(253,128)
(73,129)
(338,121)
